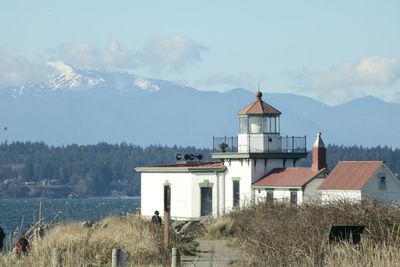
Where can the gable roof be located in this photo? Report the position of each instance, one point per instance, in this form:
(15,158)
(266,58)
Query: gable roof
(286,177)
(202,166)
(259,107)
(350,175)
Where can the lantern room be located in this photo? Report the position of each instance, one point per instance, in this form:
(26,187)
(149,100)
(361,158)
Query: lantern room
(259,127)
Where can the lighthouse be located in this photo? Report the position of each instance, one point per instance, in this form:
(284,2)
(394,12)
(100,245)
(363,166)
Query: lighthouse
(257,149)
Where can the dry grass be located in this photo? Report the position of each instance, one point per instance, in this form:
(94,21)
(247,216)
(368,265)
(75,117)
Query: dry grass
(286,235)
(219,228)
(82,246)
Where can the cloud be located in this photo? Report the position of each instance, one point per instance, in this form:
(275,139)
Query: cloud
(172,53)
(160,54)
(16,70)
(366,76)
(85,55)
(369,71)
(228,81)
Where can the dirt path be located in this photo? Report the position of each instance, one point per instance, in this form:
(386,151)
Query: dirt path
(212,253)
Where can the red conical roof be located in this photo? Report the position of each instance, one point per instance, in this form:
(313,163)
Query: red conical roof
(259,107)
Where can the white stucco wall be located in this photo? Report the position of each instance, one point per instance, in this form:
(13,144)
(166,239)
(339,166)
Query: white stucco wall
(337,195)
(258,143)
(185,193)
(237,170)
(280,194)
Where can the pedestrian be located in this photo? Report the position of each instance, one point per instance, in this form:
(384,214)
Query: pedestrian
(22,245)
(156,219)
(2,236)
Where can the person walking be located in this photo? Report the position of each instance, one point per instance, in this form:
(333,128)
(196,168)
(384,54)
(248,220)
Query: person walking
(156,219)
(2,236)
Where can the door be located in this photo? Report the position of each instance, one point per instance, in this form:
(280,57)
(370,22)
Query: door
(206,201)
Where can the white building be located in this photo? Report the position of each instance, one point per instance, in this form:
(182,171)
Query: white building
(259,163)
(295,184)
(357,180)
(202,188)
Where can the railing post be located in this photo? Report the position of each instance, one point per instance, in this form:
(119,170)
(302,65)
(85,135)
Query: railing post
(248,143)
(176,259)
(292,144)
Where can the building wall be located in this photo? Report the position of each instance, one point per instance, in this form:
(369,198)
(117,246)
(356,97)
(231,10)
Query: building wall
(372,190)
(337,195)
(185,193)
(258,143)
(311,192)
(241,170)
(280,194)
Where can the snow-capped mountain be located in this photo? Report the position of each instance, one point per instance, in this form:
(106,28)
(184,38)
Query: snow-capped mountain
(69,78)
(88,106)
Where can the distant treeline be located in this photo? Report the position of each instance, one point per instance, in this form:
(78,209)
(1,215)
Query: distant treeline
(99,170)
(90,170)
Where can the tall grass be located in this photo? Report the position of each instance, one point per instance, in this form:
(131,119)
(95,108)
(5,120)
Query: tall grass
(281,234)
(82,246)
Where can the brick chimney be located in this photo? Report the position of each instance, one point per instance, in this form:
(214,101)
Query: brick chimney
(319,154)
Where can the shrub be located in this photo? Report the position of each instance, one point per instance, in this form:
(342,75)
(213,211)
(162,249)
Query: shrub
(281,234)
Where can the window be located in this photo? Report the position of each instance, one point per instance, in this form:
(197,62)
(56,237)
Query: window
(243,125)
(293,197)
(270,196)
(255,124)
(236,193)
(277,125)
(273,125)
(266,124)
(382,183)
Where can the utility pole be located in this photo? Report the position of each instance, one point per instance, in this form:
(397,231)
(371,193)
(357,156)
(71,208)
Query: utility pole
(167,220)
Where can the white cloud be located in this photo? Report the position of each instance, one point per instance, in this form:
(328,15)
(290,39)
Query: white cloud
(16,70)
(172,53)
(86,55)
(368,76)
(160,54)
(228,81)
(369,71)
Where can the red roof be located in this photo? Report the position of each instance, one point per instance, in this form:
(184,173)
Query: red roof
(350,175)
(186,166)
(204,164)
(295,176)
(259,107)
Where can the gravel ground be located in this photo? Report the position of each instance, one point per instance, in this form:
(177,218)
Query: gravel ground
(212,253)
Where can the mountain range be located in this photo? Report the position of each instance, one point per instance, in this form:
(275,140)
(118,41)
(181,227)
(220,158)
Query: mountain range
(88,106)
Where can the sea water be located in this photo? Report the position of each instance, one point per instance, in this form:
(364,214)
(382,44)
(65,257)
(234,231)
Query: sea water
(23,212)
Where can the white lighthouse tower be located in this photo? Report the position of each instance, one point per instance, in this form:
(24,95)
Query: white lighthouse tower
(257,149)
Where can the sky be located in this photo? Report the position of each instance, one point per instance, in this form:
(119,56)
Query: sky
(333,51)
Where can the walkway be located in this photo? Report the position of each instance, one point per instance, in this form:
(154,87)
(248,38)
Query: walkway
(212,253)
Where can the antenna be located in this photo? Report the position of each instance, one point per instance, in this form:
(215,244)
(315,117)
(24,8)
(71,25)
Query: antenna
(258,85)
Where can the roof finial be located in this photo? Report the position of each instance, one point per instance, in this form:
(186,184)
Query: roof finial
(258,94)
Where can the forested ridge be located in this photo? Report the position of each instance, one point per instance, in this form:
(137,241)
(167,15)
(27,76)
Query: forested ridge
(106,169)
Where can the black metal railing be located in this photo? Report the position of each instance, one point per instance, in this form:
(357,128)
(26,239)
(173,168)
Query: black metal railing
(261,144)
(225,144)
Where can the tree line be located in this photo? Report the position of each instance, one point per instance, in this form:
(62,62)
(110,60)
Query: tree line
(98,170)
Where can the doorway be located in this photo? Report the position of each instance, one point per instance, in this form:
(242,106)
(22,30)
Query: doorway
(206,201)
